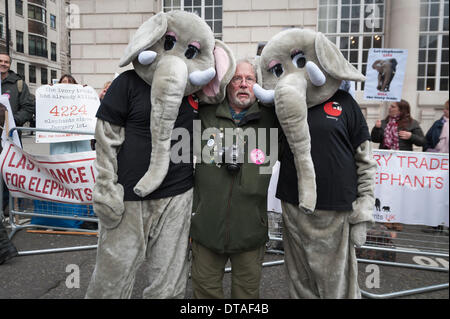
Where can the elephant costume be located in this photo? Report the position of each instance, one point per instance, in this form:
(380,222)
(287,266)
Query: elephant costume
(143,198)
(327,144)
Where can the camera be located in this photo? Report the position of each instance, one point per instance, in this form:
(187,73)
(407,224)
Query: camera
(231,158)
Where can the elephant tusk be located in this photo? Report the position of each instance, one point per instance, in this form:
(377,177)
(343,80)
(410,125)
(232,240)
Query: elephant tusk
(147,57)
(315,74)
(265,96)
(201,78)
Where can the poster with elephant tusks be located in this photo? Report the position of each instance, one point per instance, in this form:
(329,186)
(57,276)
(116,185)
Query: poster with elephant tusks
(385,74)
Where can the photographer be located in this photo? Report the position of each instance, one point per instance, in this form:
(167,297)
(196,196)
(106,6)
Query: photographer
(230,196)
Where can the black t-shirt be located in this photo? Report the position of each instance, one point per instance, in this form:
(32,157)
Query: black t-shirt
(337,127)
(127,103)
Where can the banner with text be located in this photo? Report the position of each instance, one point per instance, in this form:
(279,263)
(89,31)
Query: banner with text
(410,188)
(65,107)
(385,74)
(66,178)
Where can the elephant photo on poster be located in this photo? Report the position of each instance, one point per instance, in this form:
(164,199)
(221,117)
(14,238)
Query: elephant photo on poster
(385,74)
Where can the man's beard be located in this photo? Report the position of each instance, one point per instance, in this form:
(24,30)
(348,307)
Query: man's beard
(242,104)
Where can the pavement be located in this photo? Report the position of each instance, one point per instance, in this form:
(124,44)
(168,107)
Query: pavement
(66,275)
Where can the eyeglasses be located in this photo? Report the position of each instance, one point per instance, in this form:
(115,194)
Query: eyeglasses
(239,79)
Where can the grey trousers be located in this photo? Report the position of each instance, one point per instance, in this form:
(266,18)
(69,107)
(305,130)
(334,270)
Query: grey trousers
(320,258)
(154,232)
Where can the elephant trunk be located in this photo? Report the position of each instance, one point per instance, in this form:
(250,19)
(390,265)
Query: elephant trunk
(168,86)
(291,110)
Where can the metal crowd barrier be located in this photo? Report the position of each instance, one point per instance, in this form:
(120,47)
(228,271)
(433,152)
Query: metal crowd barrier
(385,244)
(23,211)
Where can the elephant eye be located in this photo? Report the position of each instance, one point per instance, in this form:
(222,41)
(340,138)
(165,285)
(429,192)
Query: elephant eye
(169,43)
(277,70)
(299,60)
(191,52)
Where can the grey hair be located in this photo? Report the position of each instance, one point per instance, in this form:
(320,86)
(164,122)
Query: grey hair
(252,62)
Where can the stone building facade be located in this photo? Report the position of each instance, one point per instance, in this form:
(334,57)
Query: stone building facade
(101,30)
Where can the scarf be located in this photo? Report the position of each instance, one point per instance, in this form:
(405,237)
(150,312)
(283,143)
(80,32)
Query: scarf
(237,117)
(391,134)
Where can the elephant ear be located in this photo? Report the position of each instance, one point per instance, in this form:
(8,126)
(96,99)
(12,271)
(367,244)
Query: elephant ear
(333,62)
(214,92)
(146,36)
(259,77)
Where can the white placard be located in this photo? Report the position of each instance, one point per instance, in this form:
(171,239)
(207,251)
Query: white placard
(411,188)
(385,74)
(65,107)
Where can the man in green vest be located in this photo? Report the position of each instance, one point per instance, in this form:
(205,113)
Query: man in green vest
(230,195)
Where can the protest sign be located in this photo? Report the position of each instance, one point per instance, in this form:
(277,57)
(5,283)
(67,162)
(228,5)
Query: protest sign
(410,188)
(385,74)
(65,107)
(65,178)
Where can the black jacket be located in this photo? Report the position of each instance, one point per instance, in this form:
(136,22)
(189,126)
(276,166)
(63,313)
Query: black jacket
(433,134)
(22,104)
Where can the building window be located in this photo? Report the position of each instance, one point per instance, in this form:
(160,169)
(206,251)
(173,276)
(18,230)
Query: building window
(53,51)
(53,75)
(209,10)
(44,76)
(21,69)
(355,26)
(19,41)
(32,74)
(52,21)
(19,7)
(432,73)
(37,46)
(2,26)
(37,13)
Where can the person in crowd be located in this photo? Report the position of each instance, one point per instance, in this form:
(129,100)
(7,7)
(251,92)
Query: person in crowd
(101,95)
(437,142)
(437,135)
(230,201)
(21,100)
(398,131)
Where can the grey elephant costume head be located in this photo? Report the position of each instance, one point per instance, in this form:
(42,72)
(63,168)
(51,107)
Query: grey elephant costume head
(177,55)
(301,68)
